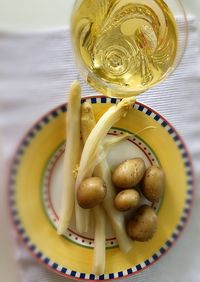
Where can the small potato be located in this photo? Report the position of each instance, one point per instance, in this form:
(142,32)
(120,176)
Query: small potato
(129,173)
(144,224)
(91,192)
(126,200)
(153,183)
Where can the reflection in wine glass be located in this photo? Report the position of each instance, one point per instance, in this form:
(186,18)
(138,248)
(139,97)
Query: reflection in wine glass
(124,47)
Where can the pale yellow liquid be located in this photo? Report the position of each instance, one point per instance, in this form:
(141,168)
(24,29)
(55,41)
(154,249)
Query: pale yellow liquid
(127,46)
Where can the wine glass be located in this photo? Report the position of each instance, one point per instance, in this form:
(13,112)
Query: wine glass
(125,47)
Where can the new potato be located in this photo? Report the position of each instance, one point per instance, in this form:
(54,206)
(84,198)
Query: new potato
(129,173)
(143,225)
(153,183)
(91,192)
(127,199)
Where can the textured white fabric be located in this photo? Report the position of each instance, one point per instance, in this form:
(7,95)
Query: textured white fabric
(35,73)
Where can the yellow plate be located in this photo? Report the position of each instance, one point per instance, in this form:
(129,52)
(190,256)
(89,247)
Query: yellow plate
(35,185)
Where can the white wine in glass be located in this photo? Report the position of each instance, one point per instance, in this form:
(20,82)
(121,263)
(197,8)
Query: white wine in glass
(124,47)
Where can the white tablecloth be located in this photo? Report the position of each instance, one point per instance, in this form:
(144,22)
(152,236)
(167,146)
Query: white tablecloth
(35,73)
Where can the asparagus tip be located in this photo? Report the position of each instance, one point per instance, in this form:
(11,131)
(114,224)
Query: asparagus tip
(86,107)
(75,87)
(60,231)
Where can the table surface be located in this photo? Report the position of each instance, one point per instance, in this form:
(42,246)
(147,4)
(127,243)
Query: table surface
(37,15)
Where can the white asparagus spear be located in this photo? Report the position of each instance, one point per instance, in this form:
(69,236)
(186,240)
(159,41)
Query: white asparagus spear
(87,124)
(99,257)
(71,157)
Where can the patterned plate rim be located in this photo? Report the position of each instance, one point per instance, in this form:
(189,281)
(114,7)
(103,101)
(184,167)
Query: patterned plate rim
(53,266)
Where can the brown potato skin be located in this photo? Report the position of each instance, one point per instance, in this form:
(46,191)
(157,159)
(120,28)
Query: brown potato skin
(153,183)
(143,225)
(128,174)
(91,192)
(127,200)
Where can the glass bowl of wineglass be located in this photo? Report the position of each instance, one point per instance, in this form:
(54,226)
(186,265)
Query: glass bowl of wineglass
(125,47)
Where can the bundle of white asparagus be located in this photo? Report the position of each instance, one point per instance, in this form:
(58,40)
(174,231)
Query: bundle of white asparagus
(80,164)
